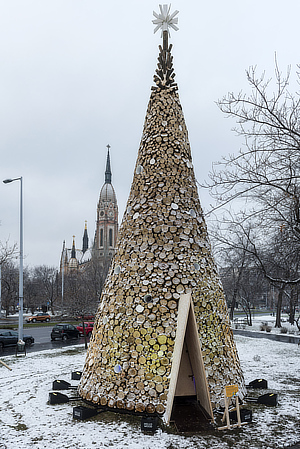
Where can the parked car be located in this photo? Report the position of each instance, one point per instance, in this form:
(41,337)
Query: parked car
(86,317)
(88,327)
(64,332)
(11,338)
(38,317)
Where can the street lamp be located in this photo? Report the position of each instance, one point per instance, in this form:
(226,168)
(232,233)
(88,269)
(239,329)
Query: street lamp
(0,290)
(7,181)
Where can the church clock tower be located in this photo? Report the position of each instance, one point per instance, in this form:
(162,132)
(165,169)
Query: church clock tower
(107,220)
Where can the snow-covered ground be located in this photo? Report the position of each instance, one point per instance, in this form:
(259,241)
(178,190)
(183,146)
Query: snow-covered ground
(27,420)
(257,320)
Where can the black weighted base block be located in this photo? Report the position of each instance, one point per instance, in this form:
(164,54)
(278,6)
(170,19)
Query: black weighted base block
(149,424)
(268,399)
(58,398)
(82,412)
(62,385)
(246,415)
(258,383)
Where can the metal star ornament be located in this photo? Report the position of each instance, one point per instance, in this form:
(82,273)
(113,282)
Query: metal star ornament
(164,20)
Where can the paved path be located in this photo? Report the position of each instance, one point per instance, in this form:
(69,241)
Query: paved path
(285,338)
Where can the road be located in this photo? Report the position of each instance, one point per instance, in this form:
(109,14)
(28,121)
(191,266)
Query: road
(40,334)
(42,340)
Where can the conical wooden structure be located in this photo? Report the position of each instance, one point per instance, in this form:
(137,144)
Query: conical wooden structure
(162,329)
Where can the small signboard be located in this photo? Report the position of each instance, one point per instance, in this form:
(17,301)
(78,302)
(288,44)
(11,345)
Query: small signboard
(231,390)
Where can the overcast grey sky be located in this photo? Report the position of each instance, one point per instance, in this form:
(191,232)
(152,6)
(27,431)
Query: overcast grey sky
(76,75)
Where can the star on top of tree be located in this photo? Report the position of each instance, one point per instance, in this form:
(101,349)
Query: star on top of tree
(164,20)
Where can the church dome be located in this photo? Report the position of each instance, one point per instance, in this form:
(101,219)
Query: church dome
(73,263)
(107,193)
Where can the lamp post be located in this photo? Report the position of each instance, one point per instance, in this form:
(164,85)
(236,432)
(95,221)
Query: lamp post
(7,181)
(0,290)
(62,277)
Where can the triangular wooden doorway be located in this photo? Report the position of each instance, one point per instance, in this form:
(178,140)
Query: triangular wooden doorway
(188,378)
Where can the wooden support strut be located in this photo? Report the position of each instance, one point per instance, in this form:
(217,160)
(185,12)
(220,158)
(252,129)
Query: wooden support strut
(229,392)
(6,366)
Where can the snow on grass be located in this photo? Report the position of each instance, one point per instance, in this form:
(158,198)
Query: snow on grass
(258,319)
(27,420)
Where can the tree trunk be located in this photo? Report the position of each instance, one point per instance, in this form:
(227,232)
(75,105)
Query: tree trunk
(233,302)
(278,308)
(250,318)
(292,307)
(247,309)
(236,288)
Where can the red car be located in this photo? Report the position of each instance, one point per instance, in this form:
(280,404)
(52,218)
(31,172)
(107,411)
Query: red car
(86,317)
(88,327)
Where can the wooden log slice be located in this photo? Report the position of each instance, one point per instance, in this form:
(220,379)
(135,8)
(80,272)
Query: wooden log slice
(130,406)
(150,408)
(120,404)
(160,408)
(140,408)
(159,388)
(103,401)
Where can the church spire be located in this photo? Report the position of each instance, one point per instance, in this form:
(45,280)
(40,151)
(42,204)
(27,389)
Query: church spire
(85,240)
(73,262)
(108,169)
(73,252)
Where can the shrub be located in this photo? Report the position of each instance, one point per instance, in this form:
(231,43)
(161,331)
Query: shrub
(263,326)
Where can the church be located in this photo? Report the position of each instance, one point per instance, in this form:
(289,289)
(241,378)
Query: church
(103,247)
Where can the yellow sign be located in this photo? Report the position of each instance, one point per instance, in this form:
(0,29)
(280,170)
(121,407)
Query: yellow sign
(231,390)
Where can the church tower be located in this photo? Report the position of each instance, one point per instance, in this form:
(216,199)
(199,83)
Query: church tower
(73,263)
(107,220)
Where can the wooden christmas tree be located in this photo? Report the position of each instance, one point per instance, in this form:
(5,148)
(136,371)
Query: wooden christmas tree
(162,329)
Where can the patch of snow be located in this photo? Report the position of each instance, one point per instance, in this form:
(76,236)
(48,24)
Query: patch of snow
(270,319)
(27,420)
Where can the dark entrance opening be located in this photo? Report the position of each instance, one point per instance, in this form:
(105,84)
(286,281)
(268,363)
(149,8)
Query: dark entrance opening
(189,416)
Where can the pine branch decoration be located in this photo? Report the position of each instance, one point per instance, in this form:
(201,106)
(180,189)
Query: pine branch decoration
(165,75)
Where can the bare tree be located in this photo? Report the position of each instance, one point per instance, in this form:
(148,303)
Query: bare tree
(241,275)
(10,287)
(231,249)
(80,295)
(44,285)
(245,247)
(265,172)
(262,181)
(292,294)
(7,252)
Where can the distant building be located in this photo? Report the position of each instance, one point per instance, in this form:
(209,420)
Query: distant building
(103,248)
(72,258)
(107,220)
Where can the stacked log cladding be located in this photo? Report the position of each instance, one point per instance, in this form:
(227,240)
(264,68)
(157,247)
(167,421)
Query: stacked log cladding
(163,251)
